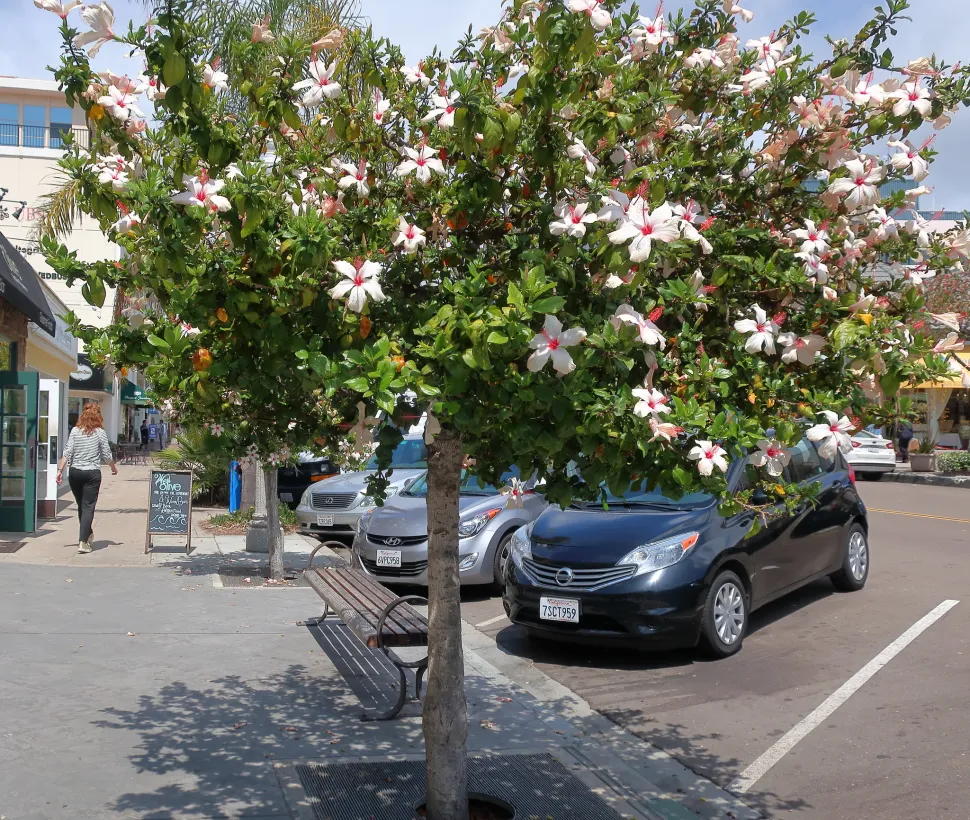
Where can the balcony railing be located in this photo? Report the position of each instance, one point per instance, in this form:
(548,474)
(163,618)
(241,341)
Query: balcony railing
(43,136)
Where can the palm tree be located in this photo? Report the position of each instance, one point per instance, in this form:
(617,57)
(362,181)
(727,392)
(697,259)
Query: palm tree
(222,24)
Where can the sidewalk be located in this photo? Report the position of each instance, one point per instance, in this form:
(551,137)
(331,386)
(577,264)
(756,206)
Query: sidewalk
(140,686)
(119,533)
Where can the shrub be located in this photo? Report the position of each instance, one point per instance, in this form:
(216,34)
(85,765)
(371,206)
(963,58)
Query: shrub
(953,462)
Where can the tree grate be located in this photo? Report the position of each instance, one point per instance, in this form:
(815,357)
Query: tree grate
(11,546)
(538,785)
(236,577)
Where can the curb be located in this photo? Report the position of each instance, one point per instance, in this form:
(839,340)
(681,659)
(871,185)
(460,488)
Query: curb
(930,479)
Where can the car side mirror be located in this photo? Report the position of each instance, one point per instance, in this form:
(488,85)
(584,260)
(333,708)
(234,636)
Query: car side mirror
(759,497)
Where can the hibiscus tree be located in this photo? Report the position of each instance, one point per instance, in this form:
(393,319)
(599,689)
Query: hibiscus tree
(721,292)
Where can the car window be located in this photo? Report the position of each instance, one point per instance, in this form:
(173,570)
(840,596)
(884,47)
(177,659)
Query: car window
(470,484)
(410,453)
(806,463)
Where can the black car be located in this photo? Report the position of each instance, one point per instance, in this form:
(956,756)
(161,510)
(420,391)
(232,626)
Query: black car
(666,573)
(292,481)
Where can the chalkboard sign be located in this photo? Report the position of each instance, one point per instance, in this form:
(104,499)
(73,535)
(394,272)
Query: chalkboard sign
(170,506)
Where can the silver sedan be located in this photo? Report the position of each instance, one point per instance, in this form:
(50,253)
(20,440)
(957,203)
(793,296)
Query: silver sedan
(392,541)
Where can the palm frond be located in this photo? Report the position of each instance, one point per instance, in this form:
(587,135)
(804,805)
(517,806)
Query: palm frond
(60,210)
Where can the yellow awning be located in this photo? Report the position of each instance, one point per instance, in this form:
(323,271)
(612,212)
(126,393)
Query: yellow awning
(953,381)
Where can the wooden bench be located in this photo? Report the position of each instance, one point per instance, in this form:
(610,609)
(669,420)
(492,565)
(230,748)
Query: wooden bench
(379,618)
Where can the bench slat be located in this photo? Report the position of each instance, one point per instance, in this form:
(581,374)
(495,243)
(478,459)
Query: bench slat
(404,616)
(358,601)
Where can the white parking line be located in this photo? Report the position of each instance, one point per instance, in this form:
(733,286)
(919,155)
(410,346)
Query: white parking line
(760,767)
(491,621)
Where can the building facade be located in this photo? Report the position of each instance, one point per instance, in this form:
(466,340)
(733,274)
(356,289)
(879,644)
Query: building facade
(34,122)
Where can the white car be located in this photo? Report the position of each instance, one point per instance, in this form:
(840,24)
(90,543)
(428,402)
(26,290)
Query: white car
(872,455)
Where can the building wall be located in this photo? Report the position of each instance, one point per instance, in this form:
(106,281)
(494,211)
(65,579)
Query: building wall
(30,172)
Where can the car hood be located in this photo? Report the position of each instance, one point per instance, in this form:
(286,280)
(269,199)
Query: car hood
(408,515)
(357,482)
(598,538)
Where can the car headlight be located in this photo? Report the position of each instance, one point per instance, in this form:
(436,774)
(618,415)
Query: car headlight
(362,522)
(371,501)
(305,498)
(472,526)
(520,546)
(660,554)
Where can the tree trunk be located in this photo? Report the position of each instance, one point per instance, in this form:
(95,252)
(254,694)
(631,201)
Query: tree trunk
(274,534)
(445,714)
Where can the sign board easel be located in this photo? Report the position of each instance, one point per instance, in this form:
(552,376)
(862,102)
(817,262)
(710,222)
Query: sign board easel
(169,506)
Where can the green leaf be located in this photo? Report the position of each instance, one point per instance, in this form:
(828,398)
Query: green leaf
(492,133)
(680,476)
(469,358)
(550,304)
(496,338)
(361,384)
(173,71)
(157,341)
(93,292)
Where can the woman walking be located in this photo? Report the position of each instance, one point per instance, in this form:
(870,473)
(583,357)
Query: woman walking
(87,449)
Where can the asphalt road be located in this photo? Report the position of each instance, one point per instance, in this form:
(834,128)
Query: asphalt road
(898,748)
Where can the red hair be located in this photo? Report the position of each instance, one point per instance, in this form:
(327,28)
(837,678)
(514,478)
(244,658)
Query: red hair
(90,419)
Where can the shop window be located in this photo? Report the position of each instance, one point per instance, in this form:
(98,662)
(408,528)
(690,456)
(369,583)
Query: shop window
(8,355)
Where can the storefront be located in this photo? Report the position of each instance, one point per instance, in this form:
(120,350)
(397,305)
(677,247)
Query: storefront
(22,301)
(138,408)
(53,359)
(942,409)
(91,383)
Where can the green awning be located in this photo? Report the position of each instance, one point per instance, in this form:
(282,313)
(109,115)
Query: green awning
(131,393)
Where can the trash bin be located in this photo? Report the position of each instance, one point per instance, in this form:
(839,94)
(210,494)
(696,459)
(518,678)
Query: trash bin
(235,487)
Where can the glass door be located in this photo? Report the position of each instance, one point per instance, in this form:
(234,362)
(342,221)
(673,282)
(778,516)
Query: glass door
(18,451)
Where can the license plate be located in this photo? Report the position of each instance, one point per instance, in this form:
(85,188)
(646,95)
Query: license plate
(324,520)
(389,558)
(877,449)
(286,497)
(559,609)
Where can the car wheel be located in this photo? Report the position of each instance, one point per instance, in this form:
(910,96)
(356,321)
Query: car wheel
(855,562)
(500,559)
(725,615)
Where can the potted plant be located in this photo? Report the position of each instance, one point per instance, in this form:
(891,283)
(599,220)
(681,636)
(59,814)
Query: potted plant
(924,459)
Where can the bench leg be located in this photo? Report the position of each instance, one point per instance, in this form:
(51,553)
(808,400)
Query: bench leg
(316,621)
(418,677)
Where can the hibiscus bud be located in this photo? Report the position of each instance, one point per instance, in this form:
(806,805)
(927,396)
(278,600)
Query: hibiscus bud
(365,327)
(655,314)
(201,359)
(221,315)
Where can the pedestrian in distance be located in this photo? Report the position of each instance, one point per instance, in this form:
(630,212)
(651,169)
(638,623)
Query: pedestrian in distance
(904,433)
(87,449)
(144,434)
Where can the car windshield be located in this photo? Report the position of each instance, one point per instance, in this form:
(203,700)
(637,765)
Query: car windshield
(639,497)
(410,453)
(469,484)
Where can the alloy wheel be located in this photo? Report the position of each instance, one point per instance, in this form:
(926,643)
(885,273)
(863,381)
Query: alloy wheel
(729,613)
(858,555)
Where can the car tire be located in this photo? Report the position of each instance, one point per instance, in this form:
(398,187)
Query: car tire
(855,561)
(500,559)
(725,615)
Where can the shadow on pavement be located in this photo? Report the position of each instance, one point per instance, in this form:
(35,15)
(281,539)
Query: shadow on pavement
(691,749)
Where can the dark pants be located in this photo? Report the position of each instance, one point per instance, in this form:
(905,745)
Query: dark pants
(904,446)
(144,441)
(85,484)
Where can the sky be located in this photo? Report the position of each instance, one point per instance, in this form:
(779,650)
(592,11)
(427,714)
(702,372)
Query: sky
(938,26)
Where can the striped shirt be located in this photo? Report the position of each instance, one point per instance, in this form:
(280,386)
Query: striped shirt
(88,451)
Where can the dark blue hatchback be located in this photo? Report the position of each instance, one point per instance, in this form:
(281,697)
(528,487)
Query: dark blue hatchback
(666,573)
